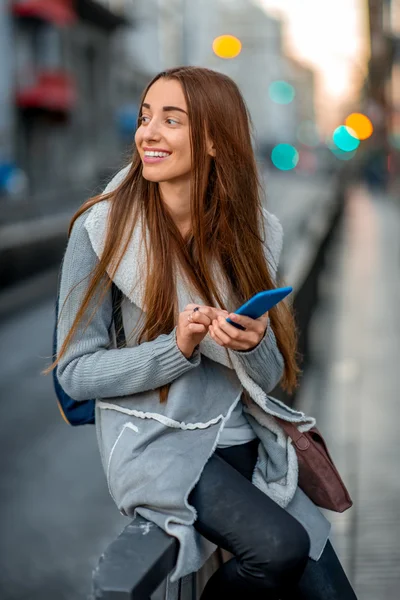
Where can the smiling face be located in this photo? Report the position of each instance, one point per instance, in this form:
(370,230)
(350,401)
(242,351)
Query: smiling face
(163,137)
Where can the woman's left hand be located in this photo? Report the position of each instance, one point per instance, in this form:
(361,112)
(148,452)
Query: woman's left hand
(228,336)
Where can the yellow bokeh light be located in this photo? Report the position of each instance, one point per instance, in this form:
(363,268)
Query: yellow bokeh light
(227,46)
(361,125)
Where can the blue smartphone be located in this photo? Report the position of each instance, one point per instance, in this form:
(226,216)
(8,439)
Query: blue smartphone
(260,304)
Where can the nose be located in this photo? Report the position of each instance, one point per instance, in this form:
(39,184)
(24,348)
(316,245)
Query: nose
(151,131)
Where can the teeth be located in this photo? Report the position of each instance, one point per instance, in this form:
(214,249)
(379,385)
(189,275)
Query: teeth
(158,154)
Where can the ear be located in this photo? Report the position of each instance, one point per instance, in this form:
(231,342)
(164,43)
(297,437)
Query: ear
(210,146)
(210,149)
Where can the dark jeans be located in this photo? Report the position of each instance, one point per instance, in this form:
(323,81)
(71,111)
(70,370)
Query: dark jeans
(270,547)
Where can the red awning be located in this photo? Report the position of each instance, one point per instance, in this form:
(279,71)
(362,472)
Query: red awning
(52,91)
(60,12)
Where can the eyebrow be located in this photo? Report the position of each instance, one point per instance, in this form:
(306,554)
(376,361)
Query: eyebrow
(166,108)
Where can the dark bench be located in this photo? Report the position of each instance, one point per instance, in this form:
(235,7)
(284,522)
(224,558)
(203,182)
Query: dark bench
(136,563)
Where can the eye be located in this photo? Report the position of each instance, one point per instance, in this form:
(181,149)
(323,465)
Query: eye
(142,119)
(172,121)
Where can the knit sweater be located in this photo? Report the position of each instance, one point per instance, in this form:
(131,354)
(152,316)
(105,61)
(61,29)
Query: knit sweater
(89,370)
(153,454)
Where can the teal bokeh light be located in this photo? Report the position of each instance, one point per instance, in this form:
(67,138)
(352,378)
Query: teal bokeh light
(281,92)
(284,157)
(340,154)
(345,139)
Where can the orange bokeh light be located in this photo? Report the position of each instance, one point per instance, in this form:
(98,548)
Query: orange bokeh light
(227,46)
(361,125)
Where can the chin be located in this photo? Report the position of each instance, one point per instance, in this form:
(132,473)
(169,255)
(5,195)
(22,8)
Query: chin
(161,175)
(151,174)
(156,177)
(151,177)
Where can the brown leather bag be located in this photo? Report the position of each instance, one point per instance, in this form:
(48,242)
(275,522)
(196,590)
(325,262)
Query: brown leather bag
(318,477)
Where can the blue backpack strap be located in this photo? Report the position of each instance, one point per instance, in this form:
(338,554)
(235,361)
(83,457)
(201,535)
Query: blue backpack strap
(82,412)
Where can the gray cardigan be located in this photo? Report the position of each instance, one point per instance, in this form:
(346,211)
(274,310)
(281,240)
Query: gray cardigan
(153,454)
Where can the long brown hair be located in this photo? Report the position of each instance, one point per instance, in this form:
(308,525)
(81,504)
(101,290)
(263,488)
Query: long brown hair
(226,216)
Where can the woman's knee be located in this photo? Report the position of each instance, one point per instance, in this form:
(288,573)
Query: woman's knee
(291,555)
(278,559)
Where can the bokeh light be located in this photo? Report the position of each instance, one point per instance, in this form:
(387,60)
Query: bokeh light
(345,138)
(307,134)
(227,46)
(340,154)
(281,92)
(284,157)
(360,124)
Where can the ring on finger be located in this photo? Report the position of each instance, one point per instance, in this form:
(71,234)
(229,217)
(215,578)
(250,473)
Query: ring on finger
(190,317)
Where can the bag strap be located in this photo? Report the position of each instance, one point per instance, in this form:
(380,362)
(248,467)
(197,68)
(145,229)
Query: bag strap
(117,297)
(299,438)
(117,315)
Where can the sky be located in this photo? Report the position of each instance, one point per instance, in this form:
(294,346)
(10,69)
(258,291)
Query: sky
(331,36)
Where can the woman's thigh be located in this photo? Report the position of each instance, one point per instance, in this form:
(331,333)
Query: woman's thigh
(237,516)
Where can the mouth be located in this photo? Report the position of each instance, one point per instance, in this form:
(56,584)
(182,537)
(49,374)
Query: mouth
(155,156)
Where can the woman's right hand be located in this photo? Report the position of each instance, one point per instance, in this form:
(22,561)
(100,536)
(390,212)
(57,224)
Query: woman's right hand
(191,331)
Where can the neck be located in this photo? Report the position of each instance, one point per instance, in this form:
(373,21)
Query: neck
(176,196)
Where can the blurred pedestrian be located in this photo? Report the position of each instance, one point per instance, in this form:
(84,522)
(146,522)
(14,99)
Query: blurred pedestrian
(186,430)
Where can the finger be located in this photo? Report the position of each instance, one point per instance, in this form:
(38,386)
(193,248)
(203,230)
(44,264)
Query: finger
(212,312)
(232,344)
(220,333)
(191,306)
(197,328)
(191,318)
(199,317)
(214,336)
(259,325)
(232,331)
(242,339)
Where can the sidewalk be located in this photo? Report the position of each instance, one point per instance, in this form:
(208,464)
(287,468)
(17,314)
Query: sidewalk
(353,389)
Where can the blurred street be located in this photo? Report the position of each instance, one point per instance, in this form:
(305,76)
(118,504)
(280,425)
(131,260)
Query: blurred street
(56,513)
(321,81)
(352,388)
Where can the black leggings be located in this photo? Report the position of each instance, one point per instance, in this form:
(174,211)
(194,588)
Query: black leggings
(270,547)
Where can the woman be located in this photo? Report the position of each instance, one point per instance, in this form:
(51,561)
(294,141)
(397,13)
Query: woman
(186,430)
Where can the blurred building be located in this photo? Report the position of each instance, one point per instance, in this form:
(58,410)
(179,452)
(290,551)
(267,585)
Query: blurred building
(65,89)
(66,93)
(303,80)
(392,23)
(7,165)
(173,32)
(71,75)
(382,103)
(261,62)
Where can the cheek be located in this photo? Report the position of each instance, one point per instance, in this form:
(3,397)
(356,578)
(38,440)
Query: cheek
(180,142)
(184,152)
(138,138)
